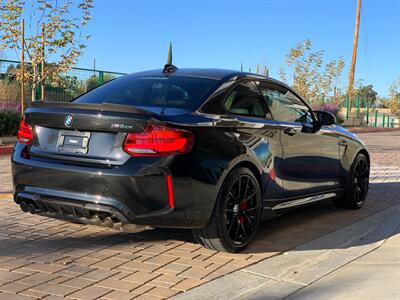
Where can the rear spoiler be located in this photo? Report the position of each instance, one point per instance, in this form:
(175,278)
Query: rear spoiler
(91,106)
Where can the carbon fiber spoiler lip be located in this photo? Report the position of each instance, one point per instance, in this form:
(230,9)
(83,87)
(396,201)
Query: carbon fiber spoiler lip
(92,106)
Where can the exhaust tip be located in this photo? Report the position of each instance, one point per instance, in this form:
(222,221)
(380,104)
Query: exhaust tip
(108,222)
(31,208)
(23,206)
(96,220)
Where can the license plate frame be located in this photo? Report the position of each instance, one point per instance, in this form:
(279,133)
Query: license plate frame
(66,142)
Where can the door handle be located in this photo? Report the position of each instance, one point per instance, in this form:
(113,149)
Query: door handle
(342,143)
(289,131)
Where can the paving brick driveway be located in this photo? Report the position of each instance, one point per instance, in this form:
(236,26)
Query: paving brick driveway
(51,259)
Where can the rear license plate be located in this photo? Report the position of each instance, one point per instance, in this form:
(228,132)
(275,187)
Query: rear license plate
(73,141)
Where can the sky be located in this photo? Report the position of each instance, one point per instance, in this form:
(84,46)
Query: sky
(133,35)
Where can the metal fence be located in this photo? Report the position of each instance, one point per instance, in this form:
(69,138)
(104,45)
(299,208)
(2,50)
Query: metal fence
(359,112)
(65,87)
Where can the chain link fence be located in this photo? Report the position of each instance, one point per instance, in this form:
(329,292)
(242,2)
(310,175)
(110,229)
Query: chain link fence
(65,87)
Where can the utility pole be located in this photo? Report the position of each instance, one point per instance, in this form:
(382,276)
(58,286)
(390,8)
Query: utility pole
(22,66)
(354,56)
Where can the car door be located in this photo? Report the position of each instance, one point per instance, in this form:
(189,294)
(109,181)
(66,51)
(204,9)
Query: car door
(310,161)
(256,130)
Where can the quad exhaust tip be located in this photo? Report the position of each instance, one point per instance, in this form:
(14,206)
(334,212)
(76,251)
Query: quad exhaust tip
(27,206)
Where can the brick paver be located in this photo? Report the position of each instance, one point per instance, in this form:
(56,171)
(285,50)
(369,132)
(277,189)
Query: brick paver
(43,258)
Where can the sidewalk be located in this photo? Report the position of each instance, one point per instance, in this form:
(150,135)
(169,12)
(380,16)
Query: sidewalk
(359,261)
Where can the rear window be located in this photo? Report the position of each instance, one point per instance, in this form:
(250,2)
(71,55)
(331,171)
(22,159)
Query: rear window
(163,91)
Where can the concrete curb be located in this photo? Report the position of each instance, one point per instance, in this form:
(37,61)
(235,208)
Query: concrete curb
(371,129)
(8,140)
(280,276)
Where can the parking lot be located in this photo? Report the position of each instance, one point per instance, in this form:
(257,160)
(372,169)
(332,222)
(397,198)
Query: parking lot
(49,259)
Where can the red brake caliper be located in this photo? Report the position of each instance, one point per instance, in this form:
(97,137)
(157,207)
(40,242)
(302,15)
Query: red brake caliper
(242,205)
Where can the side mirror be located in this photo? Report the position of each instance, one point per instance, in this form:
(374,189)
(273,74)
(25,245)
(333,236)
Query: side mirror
(325,118)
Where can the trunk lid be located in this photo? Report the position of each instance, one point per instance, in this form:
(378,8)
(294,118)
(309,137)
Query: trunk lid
(92,133)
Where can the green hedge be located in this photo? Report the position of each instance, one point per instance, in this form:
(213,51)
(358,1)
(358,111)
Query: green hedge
(9,122)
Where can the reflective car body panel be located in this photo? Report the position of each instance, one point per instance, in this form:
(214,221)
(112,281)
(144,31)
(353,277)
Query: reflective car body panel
(293,167)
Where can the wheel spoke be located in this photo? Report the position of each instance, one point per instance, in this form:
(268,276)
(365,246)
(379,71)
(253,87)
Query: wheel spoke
(233,196)
(365,171)
(237,230)
(359,194)
(364,186)
(239,188)
(243,230)
(250,209)
(249,222)
(231,225)
(250,196)
(247,187)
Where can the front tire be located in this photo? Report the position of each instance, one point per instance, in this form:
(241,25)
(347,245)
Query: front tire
(357,189)
(236,214)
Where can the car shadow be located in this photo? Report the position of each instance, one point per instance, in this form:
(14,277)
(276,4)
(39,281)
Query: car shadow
(308,223)
(281,234)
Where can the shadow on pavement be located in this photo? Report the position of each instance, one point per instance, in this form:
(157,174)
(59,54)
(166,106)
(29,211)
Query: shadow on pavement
(278,235)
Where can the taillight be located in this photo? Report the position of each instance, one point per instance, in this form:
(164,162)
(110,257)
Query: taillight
(157,141)
(24,134)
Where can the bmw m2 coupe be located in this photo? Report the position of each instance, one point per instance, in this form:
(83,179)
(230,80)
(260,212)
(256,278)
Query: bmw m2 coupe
(215,151)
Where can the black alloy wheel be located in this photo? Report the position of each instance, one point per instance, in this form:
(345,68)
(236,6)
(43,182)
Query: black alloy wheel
(241,210)
(236,215)
(360,181)
(357,190)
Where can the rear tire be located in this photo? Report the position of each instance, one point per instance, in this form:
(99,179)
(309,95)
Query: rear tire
(236,214)
(357,189)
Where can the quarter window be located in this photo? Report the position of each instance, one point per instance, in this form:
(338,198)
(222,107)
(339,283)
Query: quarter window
(285,106)
(245,99)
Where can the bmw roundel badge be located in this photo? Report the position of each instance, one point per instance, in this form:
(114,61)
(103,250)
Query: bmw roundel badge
(68,121)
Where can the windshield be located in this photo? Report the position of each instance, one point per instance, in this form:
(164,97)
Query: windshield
(172,91)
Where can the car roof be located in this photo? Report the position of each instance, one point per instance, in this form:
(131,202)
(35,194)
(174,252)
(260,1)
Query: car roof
(217,74)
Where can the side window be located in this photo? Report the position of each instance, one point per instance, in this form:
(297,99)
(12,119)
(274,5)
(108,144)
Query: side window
(245,99)
(285,106)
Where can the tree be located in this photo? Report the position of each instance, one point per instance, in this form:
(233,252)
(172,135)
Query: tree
(51,24)
(394,90)
(94,81)
(366,94)
(394,98)
(310,77)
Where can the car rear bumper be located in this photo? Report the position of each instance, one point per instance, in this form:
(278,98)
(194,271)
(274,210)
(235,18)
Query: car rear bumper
(135,193)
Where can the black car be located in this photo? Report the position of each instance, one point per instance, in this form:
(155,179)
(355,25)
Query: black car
(216,151)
